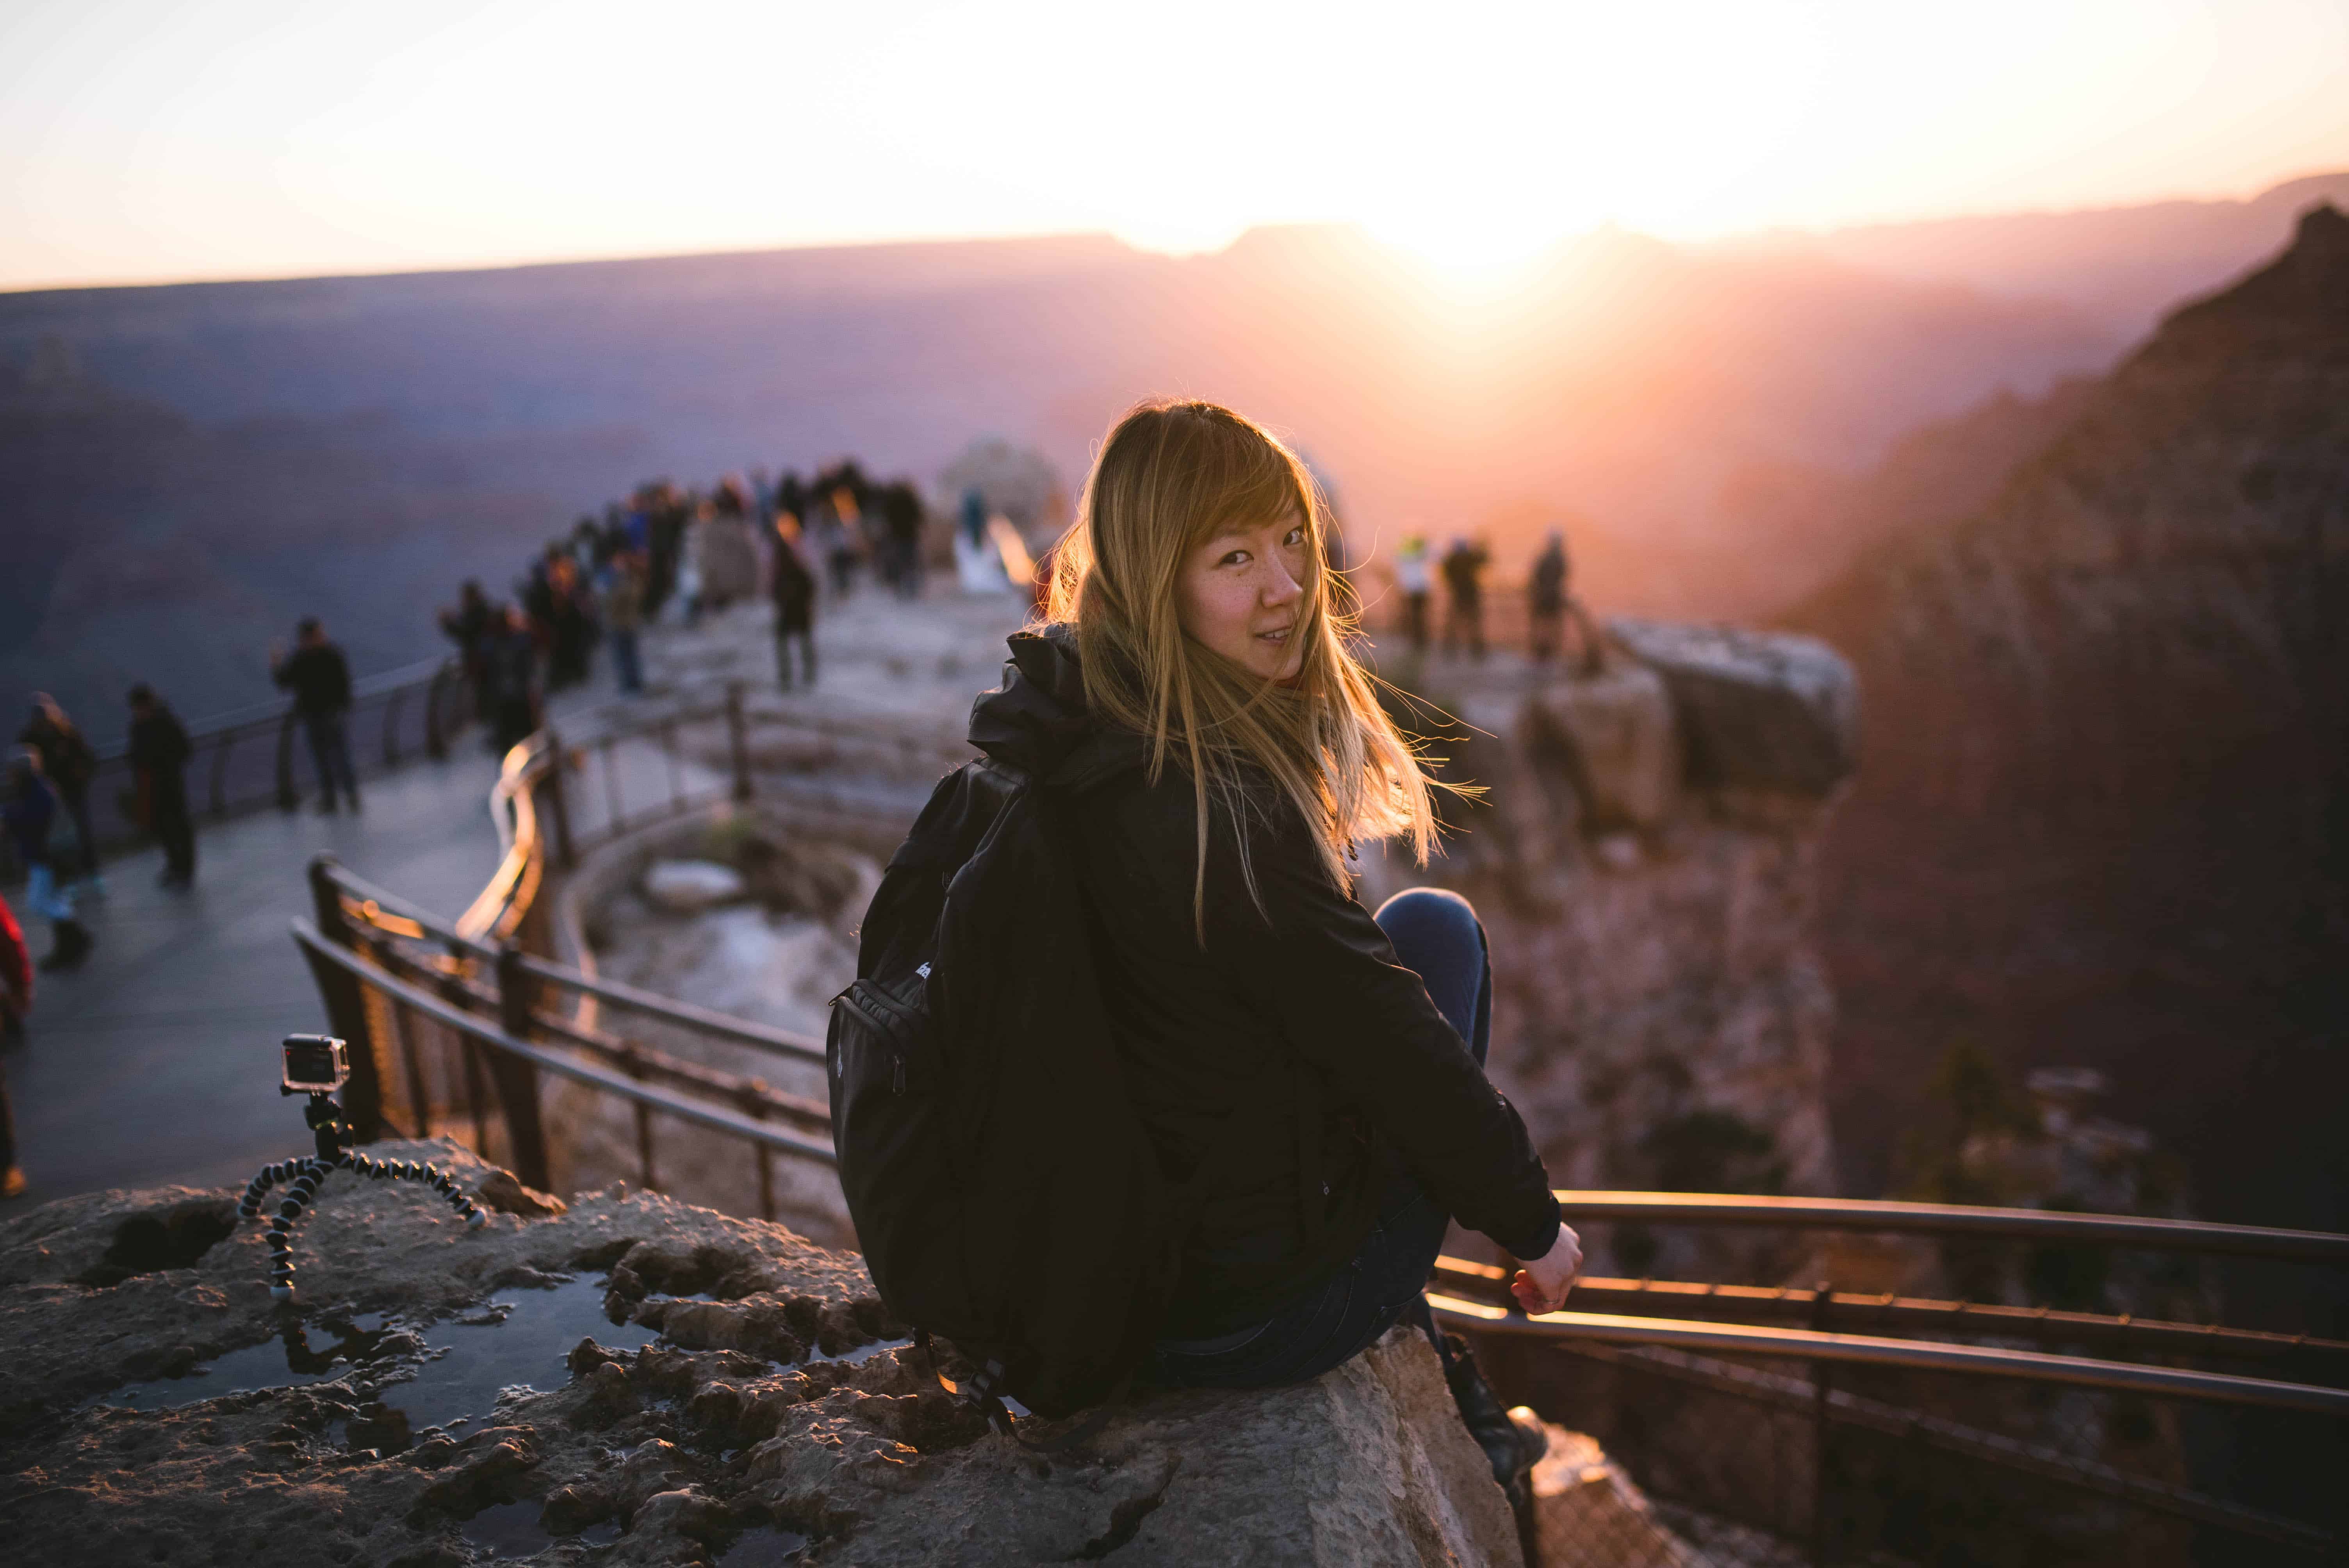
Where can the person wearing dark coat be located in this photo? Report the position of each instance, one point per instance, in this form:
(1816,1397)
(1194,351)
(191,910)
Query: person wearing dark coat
(513,682)
(159,764)
(901,510)
(16,976)
(1546,594)
(69,765)
(30,809)
(793,587)
(1318,1069)
(1382,1074)
(320,679)
(15,1001)
(1463,615)
(468,626)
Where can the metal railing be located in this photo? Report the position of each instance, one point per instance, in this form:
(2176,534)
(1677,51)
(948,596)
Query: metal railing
(457,1025)
(255,758)
(1899,1442)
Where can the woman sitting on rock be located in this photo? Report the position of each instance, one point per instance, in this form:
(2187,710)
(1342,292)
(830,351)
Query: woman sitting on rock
(1193,609)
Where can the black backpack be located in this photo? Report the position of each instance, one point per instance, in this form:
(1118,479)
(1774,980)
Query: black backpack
(1003,1188)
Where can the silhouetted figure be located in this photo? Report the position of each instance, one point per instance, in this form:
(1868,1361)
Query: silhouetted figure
(790,497)
(624,620)
(68,764)
(158,765)
(793,587)
(665,514)
(32,810)
(513,682)
(1414,579)
(570,633)
(1546,595)
(1463,616)
(901,513)
(15,1001)
(729,499)
(16,985)
(838,538)
(468,626)
(320,679)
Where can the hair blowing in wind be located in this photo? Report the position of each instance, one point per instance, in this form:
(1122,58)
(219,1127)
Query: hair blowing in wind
(1170,476)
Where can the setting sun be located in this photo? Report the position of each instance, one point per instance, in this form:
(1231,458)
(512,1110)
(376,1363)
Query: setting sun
(142,139)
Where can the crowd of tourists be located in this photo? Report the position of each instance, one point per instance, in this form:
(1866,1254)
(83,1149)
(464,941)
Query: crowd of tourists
(671,554)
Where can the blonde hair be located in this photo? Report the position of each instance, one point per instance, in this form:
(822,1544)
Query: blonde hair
(1172,475)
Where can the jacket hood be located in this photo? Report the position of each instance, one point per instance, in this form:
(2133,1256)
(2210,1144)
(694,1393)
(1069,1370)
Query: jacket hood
(1037,721)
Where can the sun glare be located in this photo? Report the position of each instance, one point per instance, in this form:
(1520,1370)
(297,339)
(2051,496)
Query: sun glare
(215,136)
(1474,258)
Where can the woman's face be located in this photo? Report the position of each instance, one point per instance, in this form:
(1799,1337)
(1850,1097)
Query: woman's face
(1241,594)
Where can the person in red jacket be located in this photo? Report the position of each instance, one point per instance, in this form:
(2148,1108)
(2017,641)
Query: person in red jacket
(15,1001)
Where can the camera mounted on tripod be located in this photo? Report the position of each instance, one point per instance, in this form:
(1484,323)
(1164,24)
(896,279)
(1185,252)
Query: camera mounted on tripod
(318,1066)
(315,1063)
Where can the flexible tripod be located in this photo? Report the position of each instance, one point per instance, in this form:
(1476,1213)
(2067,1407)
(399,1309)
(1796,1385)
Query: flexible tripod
(334,1153)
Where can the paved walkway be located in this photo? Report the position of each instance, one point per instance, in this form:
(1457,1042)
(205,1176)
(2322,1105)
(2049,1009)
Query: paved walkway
(156,1061)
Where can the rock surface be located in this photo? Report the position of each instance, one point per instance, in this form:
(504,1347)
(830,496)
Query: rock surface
(687,887)
(1615,742)
(1588,1513)
(775,1408)
(1759,710)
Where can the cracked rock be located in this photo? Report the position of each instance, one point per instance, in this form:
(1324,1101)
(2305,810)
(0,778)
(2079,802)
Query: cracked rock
(722,1427)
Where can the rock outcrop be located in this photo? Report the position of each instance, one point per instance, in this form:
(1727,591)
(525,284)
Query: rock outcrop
(428,1405)
(1588,1510)
(2099,819)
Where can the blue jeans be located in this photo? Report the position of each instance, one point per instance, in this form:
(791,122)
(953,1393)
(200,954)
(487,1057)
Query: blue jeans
(45,893)
(1437,935)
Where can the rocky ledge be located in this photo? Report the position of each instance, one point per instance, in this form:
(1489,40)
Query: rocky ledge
(628,1380)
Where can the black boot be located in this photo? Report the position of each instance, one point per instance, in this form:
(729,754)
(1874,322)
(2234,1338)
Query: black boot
(73,945)
(1513,1445)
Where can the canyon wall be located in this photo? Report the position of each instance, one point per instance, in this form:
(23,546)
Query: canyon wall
(2103,814)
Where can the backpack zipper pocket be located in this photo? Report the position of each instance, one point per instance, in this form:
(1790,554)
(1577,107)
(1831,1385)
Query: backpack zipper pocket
(900,1026)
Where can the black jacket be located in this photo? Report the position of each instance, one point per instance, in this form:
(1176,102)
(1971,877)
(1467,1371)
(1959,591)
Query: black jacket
(318,677)
(159,748)
(65,758)
(1295,1014)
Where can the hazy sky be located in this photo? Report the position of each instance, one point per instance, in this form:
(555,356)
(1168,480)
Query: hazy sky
(146,139)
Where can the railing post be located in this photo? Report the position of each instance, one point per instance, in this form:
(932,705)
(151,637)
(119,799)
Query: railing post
(391,726)
(346,1012)
(558,807)
(737,739)
(1822,1395)
(287,797)
(436,743)
(219,798)
(517,1080)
